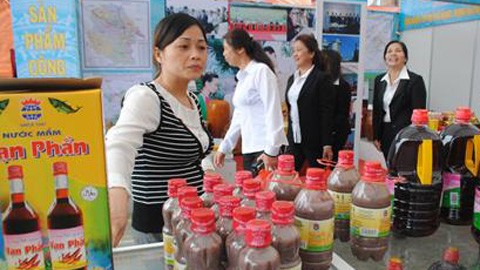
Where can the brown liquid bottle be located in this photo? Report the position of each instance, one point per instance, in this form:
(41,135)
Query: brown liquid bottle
(21,228)
(370,214)
(167,211)
(225,222)
(284,181)
(259,254)
(285,237)
(241,176)
(250,188)
(219,191)
(236,240)
(340,185)
(65,226)
(210,180)
(204,247)
(183,192)
(263,202)
(314,218)
(182,231)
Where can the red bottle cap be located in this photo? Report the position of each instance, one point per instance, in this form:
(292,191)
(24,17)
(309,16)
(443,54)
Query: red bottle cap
(203,220)
(221,190)
(373,172)
(15,172)
(186,191)
(258,233)
(286,163)
(60,168)
(451,255)
(227,204)
(316,179)
(283,212)
(242,215)
(264,200)
(174,184)
(240,176)
(210,180)
(395,264)
(345,158)
(190,203)
(250,187)
(420,117)
(463,115)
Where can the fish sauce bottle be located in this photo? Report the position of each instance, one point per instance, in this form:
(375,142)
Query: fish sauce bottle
(210,180)
(284,181)
(236,240)
(241,176)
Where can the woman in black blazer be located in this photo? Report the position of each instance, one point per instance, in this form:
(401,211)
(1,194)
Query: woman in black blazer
(310,100)
(396,94)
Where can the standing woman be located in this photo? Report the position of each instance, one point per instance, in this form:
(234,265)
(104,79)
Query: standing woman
(341,122)
(311,103)
(159,134)
(396,94)
(257,116)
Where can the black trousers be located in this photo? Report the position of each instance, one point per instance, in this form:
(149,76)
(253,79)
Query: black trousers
(301,153)
(388,134)
(250,162)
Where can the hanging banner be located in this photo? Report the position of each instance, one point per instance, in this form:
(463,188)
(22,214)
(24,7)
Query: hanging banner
(471,2)
(421,14)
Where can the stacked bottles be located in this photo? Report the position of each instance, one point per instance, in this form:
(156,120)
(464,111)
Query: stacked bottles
(203,248)
(219,191)
(182,193)
(225,222)
(340,185)
(241,176)
(451,257)
(395,264)
(285,237)
(284,181)
(259,254)
(182,230)
(167,211)
(370,214)
(461,142)
(314,219)
(263,202)
(65,226)
(236,240)
(21,228)
(210,180)
(250,188)
(415,155)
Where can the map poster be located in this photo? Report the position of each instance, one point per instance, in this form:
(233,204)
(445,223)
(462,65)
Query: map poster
(116,34)
(45,38)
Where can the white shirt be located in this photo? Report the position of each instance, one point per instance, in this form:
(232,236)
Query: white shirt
(140,114)
(390,91)
(257,116)
(293,93)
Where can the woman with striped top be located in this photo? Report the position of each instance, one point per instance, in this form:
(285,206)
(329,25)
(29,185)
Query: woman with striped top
(160,134)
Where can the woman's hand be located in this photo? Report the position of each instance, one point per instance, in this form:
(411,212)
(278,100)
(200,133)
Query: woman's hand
(378,145)
(119,199)
(219,159)
(270,162)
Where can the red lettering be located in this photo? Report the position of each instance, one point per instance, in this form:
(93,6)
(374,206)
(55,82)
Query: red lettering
(53,149)
(13,251)
(75,243)
(57,246)
(33,248)
(38,147)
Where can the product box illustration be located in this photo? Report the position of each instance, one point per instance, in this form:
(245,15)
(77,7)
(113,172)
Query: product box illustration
(53,194)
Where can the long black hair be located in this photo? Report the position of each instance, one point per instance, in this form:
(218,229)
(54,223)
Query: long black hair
(169,29)
(239,38)
(312,45)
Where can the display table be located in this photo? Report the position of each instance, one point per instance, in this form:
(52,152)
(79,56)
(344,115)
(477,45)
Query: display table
(417,253)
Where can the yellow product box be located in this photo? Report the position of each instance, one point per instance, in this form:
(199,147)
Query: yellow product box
(53,192)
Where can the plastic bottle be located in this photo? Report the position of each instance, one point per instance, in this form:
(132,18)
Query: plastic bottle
(460,174)
(210,180)
(219,191)
(370,214)
(314,219)
(203,248)
(285,237)
(415,156)
(284,181)
(225,222)
(395,264)
(241,176)
(167,211)
(451,258)
(250,188)
(263,203)
(340,185)
(183,192)
(259,254)
(236,240)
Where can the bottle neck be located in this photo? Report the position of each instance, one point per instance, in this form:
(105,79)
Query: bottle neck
(17,190)
(61,186)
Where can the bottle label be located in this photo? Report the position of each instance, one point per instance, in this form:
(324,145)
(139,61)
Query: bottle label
(451,190)
(67,248)
(342,204)
(179,266)
(315,235)
(168,249)
(476,211)
(370,222)
(24,251)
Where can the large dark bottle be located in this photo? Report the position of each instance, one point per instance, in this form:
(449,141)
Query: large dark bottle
(451,258)
(415,156)
(21,228)
(461,147)
(65,226)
